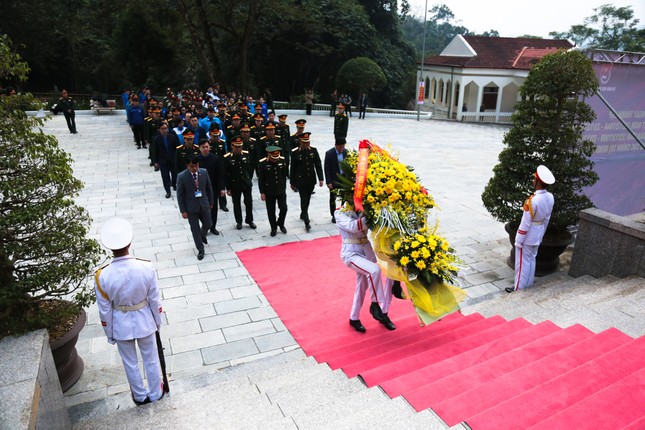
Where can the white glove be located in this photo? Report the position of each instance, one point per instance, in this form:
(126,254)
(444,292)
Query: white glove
(518,245)
(111,341)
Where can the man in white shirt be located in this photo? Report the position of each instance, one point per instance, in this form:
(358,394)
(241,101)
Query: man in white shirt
(129,305)
(535,220)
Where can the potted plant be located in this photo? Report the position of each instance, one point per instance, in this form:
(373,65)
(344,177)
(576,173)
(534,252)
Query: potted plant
(45,254)
(547,129)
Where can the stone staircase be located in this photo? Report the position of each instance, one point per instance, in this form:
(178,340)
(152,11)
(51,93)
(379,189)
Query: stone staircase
(287,391)
(292,391)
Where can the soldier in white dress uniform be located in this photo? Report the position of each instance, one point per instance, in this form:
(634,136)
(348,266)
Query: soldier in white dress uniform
(357,254)
(535,220)
(130,310)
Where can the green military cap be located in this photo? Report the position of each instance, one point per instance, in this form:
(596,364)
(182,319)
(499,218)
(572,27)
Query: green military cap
(272,148)
(301,121)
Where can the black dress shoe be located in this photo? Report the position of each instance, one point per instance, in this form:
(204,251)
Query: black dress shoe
(273,233)
(376,312)
(204,240)
(156,169)
(252,225)
(145,146)
(307,226)
(387,322)
(214,231)
(238,226)
(200,255)
(283,229)
(509,289)
(174,187)
(333,219)
(145,401)
(357,326)
(397,290)
(167,195)
(225,209)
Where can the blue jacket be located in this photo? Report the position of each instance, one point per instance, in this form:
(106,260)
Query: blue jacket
(135,114)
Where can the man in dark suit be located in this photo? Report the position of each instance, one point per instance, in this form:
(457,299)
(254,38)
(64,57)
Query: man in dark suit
(333,157)
(195,198)
(213,165)
(164,157)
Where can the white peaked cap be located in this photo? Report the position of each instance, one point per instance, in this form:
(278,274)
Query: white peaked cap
(116,234)
(544,174)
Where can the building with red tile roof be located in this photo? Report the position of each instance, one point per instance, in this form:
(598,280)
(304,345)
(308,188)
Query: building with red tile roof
(477,78)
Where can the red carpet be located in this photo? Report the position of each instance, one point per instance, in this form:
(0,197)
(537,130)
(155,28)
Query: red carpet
(489,372)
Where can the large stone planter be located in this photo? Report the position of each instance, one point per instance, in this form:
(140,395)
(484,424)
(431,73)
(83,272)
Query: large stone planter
(69,364)
(548,256)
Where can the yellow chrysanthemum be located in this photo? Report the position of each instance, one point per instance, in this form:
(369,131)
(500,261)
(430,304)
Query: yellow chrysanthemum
(404,261)
(415,254)
(420,265)
(415,244)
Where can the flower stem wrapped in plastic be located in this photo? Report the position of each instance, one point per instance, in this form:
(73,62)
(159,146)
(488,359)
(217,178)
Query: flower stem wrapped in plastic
(396,209)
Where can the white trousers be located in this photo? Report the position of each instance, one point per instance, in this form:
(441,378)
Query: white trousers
(368,278)
(151,367)
(525,266)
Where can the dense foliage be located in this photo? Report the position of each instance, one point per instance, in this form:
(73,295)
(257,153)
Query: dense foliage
(44,249)
(100,46)
(613,28)
(547,129)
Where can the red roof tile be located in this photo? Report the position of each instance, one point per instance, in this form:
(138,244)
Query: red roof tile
(501,53)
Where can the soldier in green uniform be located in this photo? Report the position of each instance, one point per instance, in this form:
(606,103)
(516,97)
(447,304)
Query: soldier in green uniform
(250,145)
(257,129)
(152,129)
(305,167)
(300,128)
(233,129)
(341,123)
(66,105)
(219,147)
(283,132)
(185,152)
(270,139)
(238,182)
(272,181)
(243,111)
(223,115)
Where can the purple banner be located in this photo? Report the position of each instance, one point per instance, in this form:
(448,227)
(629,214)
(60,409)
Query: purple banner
(619,160)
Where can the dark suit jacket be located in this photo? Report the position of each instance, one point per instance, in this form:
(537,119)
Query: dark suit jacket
(215,168)
(186,191)
(332,169)
(160,153)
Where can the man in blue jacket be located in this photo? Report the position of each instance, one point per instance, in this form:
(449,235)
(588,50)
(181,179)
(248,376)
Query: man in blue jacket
(136,116)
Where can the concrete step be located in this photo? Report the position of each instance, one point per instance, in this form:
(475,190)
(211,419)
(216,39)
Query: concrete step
(288,391)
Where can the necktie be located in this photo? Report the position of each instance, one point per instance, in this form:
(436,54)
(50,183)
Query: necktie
(196,181)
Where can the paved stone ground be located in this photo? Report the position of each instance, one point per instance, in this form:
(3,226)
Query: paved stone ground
(216,316)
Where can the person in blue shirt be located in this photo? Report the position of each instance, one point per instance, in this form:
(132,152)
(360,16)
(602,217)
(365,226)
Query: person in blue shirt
(210,118)
(126,98)
(136,118)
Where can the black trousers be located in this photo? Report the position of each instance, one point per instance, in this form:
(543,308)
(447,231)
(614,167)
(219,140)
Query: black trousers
(305,197)
(308,107)
(204,215)
(332,202)
(271,201)
(70,117)
(214,210)
(168,175)
(361,112)
(137,131)
(222,201)
(236,196)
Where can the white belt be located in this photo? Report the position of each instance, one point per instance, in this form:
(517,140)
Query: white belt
(537,222)
(361,241)
(124,308)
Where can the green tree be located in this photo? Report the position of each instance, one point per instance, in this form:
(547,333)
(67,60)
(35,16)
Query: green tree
(613,28)
(360,74)
(44,249)
(547,129)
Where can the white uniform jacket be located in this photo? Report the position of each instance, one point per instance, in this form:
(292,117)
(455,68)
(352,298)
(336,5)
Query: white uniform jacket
(353,228)
(535,219)
(128,281)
